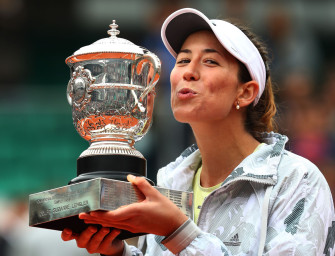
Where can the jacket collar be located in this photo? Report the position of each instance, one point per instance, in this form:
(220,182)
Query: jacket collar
(261,166)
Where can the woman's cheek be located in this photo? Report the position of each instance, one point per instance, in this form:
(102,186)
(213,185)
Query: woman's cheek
(173,84)
(174,77)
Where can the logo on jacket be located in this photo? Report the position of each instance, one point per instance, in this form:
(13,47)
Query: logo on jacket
(234,241)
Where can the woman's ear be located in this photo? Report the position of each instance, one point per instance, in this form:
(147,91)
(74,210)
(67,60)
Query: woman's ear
(248,93)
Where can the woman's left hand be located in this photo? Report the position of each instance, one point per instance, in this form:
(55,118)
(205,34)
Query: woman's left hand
(156,214)
(101,241)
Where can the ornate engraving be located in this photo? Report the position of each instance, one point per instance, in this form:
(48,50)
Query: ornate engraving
(79,88)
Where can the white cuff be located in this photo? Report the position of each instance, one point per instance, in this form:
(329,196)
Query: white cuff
(126,250)
(182,237)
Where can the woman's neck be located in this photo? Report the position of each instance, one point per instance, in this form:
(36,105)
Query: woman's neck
(222,149)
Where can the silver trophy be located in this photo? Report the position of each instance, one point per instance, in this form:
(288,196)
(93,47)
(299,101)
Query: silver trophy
(110,93)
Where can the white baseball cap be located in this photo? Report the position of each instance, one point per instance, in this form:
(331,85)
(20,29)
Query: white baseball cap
(180,24)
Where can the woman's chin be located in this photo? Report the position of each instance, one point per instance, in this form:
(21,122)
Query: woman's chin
(185,117)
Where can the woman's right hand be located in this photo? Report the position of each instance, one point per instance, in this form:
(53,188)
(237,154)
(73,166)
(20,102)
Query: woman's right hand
(101,241)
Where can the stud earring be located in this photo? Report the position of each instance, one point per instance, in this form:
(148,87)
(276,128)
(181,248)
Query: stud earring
(237,105)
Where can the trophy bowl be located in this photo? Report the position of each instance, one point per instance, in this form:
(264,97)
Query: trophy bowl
(111,94)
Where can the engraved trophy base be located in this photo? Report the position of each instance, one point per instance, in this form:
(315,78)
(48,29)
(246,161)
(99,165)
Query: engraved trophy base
(109,166)
(59,208)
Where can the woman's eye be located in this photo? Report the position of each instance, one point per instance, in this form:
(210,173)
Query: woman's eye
(210,61)
(183,61)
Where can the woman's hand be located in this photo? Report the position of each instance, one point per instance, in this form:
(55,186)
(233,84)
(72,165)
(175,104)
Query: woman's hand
(156,214)
(101,241)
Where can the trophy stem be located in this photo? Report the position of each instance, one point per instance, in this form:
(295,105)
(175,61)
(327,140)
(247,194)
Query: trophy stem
(111,159)
(112,147)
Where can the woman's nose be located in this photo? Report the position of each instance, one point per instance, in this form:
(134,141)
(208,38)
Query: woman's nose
(191,73)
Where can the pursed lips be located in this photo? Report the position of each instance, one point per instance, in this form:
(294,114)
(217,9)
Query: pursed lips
(186,92)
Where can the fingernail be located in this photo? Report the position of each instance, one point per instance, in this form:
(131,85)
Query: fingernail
(116,231)
(82,215)
(67,231)
(105,230)
(131,177)
(92,229)
(94,214)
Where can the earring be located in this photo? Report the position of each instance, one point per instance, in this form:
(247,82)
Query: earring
(237,105)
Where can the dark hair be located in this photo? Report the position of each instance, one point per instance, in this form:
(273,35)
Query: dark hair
(259,118)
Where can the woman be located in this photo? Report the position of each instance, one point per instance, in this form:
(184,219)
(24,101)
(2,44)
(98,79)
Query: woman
(251,196)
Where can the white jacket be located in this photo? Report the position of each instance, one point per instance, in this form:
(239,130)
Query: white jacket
(273,203)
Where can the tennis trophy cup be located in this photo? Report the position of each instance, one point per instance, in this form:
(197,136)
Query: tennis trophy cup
(110,91)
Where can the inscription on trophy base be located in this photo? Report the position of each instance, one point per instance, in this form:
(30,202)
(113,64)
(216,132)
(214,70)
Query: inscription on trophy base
(59,208)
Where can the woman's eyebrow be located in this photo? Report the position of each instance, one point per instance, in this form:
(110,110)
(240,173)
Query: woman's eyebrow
(204,51)
(185,51)
(210,51)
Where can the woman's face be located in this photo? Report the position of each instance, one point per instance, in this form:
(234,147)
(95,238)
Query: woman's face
(204,82)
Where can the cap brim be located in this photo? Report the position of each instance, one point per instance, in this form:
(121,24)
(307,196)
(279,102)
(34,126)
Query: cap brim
(182,23)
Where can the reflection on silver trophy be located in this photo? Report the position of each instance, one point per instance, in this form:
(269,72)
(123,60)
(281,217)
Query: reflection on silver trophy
(110,93)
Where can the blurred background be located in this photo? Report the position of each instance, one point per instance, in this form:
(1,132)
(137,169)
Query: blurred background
(39,145)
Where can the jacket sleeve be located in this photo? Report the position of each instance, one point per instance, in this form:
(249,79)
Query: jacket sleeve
(188,240)
(130,250)
(301,220)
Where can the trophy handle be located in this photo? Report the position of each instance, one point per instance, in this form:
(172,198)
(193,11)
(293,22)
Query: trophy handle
(79,88)
(155,77)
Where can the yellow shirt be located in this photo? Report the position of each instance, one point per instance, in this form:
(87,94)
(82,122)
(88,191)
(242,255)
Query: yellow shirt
(200,193)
